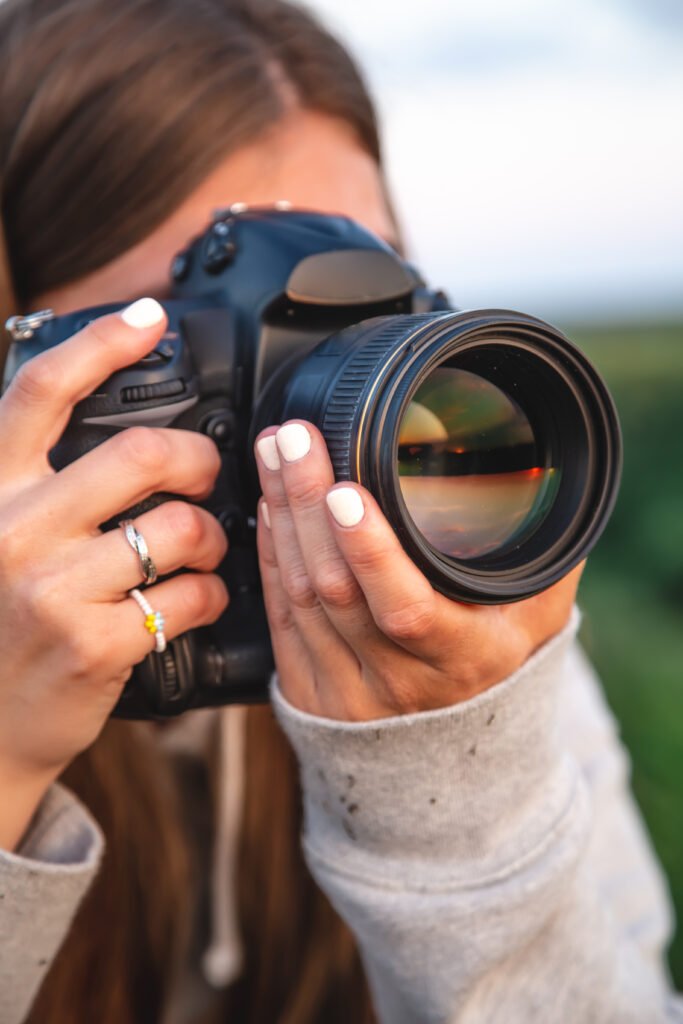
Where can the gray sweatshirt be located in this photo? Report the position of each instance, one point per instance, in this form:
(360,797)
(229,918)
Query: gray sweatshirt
(488,857)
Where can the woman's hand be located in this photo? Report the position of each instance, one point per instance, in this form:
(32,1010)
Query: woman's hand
(358,632)
(69,634)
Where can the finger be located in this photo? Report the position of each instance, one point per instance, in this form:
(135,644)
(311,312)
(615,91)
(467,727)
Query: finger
(178,535)
(39,401)
(335,687)
(186,602)
(128,468)
(403,603)
(327,650)
(291,655)
(307,475)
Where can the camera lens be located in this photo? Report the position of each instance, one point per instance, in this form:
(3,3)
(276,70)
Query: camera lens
(489,441)
(473,476)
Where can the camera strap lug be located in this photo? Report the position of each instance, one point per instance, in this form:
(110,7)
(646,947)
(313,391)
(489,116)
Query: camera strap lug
(21,328)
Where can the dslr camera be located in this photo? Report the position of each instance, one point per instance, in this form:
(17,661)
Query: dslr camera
(490,442)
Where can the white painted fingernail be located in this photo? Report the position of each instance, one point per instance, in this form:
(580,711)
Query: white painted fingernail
(265,513)
(267,450)
(143,313)
(293,441)
(346,505)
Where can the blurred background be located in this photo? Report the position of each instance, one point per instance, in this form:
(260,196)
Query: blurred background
(535,151)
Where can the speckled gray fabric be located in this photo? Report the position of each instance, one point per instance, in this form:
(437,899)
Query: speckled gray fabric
(41,888)
(488,857)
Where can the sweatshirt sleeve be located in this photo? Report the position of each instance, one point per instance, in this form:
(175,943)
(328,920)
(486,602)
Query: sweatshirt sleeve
(41,888)
(458,845)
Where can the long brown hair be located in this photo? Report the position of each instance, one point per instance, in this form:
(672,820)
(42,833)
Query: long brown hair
(111,113)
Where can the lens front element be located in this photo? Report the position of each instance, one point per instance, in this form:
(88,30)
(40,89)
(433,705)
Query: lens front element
(473,477)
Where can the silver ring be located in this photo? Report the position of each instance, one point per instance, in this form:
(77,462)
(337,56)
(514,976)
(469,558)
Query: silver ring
(154,621)
(139,545)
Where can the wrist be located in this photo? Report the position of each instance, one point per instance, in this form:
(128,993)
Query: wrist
(21,792)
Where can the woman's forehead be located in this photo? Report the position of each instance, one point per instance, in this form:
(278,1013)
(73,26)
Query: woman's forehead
(312,160)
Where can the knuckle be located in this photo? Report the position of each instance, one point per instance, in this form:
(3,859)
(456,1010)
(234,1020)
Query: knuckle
(221,595)
(414,622)
(204,597)
(268,557)
(185,523)
(12,549)
(211,452)
(111,684)
(145,448)
(336,587)
(202,454)
(199,447)
(280,619)
(197,597)
(278,503)
(43,599)
(299,590)
(305,493)
(43,604)
(83,657)
(38,380)
(372,560)
(219,544)
(39,602)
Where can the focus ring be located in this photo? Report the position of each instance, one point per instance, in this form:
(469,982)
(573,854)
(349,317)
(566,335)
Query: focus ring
(358,375)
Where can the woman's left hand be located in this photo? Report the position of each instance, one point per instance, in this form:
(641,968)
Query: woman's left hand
(358,631)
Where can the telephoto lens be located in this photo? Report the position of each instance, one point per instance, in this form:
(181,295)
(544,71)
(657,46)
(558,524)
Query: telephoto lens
(490,442)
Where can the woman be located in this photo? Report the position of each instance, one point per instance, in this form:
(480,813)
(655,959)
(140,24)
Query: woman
(446,819)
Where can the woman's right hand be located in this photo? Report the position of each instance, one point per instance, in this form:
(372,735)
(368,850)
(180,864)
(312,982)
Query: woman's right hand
(69,634)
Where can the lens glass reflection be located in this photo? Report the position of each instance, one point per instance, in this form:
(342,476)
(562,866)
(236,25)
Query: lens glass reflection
(474,478)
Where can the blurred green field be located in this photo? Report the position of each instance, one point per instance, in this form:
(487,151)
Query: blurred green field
(632,590)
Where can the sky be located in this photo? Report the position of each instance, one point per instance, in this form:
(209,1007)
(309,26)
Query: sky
(535,149)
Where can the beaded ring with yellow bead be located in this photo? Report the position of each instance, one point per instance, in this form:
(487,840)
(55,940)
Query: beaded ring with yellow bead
(154,621)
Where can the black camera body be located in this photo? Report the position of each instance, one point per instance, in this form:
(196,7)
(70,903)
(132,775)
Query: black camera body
(249,298)
(490,442)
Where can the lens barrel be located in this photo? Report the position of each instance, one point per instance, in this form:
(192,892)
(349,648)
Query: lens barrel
(490,442)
